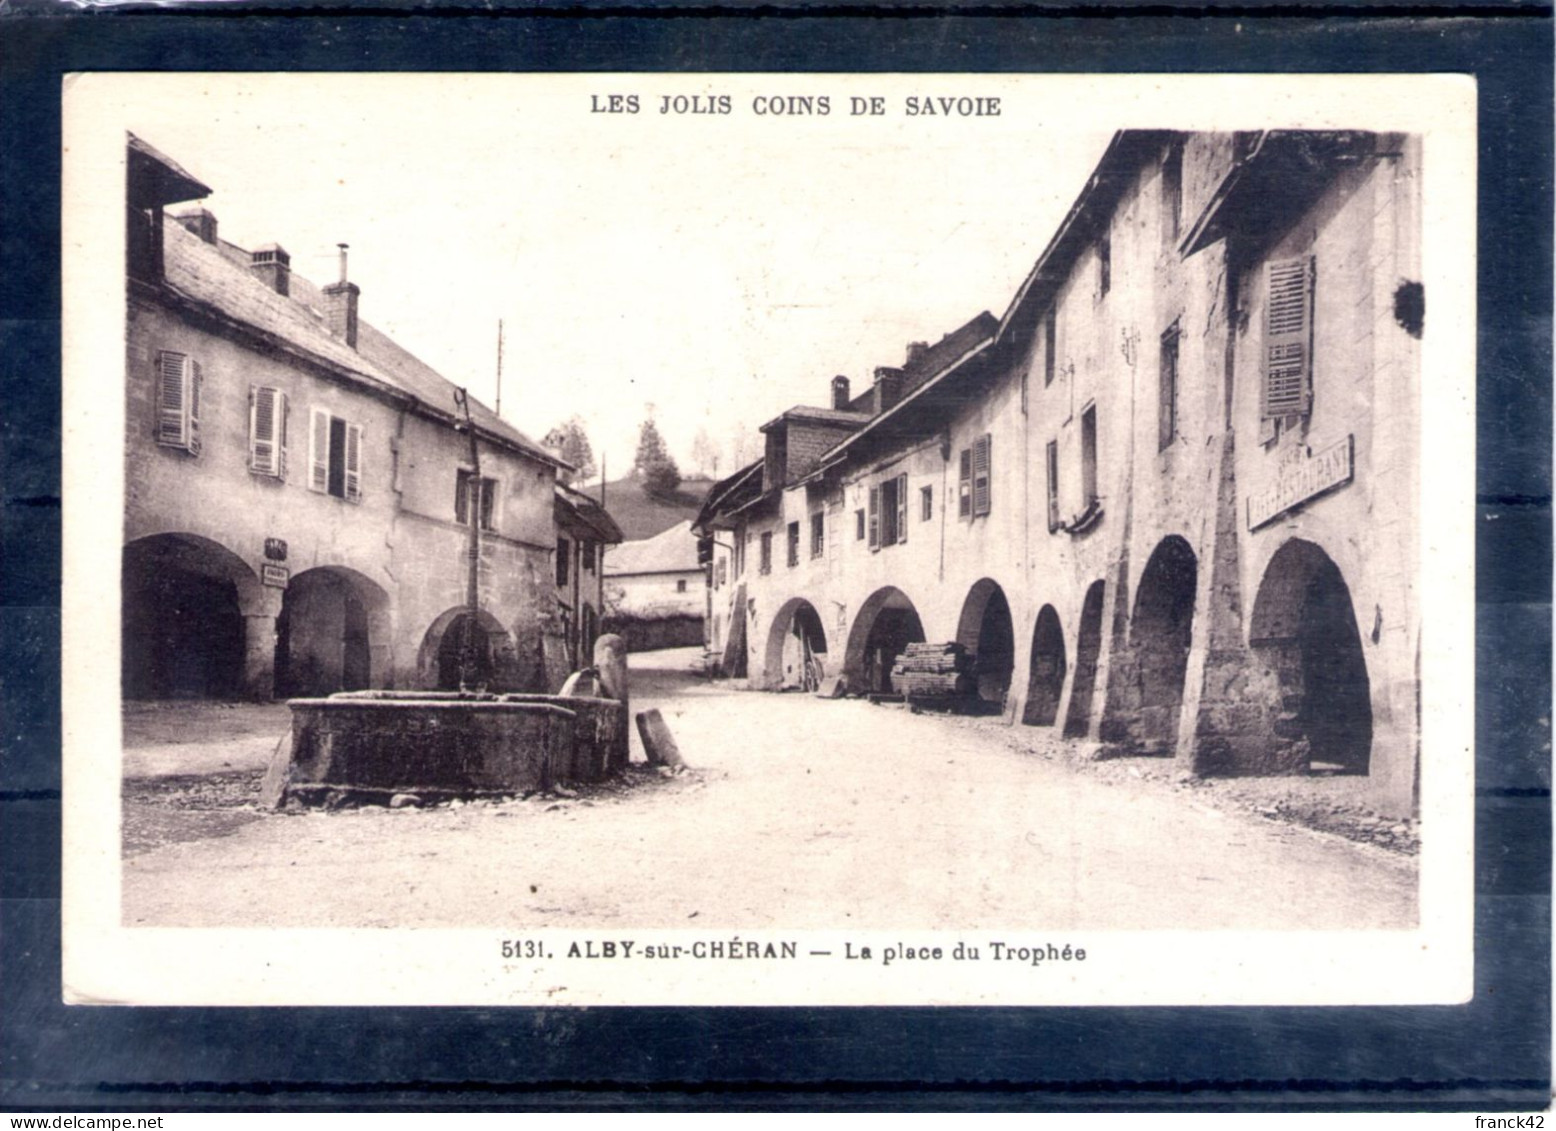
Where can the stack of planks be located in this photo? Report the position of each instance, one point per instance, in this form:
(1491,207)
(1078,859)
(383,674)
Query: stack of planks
(926,672)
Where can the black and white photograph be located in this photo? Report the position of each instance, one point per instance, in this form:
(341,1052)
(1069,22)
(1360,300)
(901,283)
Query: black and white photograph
(768,539)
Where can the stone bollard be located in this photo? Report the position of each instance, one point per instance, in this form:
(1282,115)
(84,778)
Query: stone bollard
(610,660)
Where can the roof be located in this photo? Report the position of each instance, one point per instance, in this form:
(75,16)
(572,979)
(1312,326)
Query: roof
(670,551)
(583,517)
(642,514)
(731,492)
(1080,226)
(156,179)
(214,278)
(938,366)
(832,416)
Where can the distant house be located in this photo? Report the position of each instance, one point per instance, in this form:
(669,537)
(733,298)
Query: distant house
(583,531)
(656,591)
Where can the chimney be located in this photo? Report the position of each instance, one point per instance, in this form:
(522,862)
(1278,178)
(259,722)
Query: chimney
(888,388)
(340,304)
(840,392)
(917,350)
(274,266)
(200,222)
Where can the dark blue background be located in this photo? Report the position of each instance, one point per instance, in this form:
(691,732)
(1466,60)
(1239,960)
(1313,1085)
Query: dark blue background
(1490,1055)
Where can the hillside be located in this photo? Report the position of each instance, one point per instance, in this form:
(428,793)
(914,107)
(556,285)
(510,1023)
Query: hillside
(641,515)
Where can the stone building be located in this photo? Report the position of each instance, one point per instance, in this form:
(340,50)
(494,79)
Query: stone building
(1167,500)
(300,489)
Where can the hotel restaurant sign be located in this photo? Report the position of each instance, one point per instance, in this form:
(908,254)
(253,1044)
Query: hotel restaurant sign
(1303,480)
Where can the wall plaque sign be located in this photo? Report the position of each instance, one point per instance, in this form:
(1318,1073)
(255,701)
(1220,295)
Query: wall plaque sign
(1302,480)
(275,549)
(274,575)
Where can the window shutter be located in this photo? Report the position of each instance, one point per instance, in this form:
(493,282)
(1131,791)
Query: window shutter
(875,517)
(964,494)
(461,497)
(1053,485)
(902,507)
(284,410)
(1288,340)
(171,400)
(982,454)
(354,462)
(319,451)
(192,371)
(266,430)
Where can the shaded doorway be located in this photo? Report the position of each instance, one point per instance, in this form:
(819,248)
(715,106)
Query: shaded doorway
(1304,630)
(986,630)
(1045,685)
(493,655)
(796,653)
(325,632)
(886,624)
(181,618)
(1088,650)
(1160,637)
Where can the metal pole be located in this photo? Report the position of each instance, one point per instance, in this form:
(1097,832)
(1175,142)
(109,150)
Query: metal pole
(499,367)
(474,493)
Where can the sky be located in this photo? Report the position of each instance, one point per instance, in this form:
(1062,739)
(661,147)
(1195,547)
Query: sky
(712,269)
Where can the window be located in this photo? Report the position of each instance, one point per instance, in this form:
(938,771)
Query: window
(859,526)
(335,457)
(564,550)
(794,544)
(818,534)
(767,552)
(1053,486)
(982,469)
(1167,390)
(1089,457)
(267,431)
(465,491)
(1104,265)
(1050,345)
(926,504)
(178,402)
(1172,191)
(889,512)
(1287,389)
(721,573)
(964,486)
(680,585)
(588,556)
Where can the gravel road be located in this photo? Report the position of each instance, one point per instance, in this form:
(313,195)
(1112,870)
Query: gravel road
(797,813)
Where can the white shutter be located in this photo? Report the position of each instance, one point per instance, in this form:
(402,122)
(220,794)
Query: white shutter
(283,411)
(354,462)
(902,507)
(982,462)
(172,400)
(875,518)
(1288,340)
(267,431)
(319,451)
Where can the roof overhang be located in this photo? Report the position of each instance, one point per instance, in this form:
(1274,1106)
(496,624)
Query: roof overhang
(155,179)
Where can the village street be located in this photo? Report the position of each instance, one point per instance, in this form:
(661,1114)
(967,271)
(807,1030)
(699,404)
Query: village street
(796,812)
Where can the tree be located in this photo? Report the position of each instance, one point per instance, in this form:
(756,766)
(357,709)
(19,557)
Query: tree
(705,454)
(653,463)
(571,442)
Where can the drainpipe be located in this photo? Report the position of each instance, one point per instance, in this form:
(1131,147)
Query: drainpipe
(473,499)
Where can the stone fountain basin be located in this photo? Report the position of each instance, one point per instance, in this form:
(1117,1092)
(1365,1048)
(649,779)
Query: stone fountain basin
(439,745)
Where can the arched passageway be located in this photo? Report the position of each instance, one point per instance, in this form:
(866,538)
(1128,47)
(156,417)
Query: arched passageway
(886,624)
(1088,650)
(986,630)
(1304,630)
(331,621)
(1162,628)
(181,618)
(1045,685)
(493,657)
(796,653)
